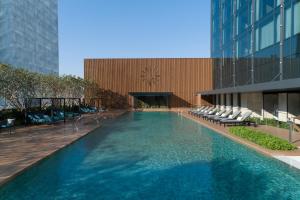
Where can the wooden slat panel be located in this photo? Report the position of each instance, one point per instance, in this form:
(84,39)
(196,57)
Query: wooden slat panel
(184,77)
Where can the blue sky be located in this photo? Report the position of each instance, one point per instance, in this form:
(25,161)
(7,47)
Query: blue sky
(131,29)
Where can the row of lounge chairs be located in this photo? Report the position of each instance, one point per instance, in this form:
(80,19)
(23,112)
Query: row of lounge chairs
(40,118)
(223,116)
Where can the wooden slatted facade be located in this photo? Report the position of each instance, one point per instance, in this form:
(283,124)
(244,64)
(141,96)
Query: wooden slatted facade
(183,77)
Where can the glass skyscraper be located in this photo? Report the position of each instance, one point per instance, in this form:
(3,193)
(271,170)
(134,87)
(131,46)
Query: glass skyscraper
(256,49)
(29,34)
(256,44)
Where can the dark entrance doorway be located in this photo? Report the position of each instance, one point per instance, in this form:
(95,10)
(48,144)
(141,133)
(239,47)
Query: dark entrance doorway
(151,100)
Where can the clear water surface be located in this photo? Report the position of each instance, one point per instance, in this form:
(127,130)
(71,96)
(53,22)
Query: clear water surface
(155,156)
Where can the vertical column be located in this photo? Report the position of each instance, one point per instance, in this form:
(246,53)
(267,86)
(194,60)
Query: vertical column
(282,36)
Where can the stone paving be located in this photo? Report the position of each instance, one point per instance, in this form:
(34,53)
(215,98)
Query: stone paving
(28,145)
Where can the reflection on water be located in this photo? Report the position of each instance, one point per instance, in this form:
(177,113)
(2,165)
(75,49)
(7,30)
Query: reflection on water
(155,156)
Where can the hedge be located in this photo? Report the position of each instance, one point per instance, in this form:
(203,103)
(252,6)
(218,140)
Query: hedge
(271,122)
(263,139)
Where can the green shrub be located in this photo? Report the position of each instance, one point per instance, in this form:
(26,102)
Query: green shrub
(263,139)
(271,122)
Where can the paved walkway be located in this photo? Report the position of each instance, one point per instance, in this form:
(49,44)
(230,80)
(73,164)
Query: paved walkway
(29,145)
(290,157)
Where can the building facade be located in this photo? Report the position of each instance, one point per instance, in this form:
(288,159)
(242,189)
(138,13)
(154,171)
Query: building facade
(150,82)
(256,49)
(29,34)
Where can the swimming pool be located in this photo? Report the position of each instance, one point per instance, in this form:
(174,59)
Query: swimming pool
(155,156)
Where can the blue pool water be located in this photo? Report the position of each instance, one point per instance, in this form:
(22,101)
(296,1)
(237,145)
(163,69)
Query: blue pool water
(155,156)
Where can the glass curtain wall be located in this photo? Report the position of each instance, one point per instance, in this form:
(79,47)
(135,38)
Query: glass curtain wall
(247,37)
(29,34)
(291,50)
(267,41)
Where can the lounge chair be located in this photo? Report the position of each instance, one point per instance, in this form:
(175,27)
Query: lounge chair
(222,116)
(218,114)
(88,109)
(93,109)
(39,119)
(212,112)
(71,115)
(58,116)
(195,112)
(46,118)
(227,115)
(195,109)
(241,120)
(84,110)
(34,119)
(205,111)
(9,124)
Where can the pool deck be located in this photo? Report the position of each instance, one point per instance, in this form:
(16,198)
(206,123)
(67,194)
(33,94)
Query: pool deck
(290,157)
(29,145)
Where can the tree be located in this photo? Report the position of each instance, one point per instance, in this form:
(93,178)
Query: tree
(19,85)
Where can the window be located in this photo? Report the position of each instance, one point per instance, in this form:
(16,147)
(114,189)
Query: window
(239,100)
(257,39)
(296,18)
(271,105)
(278,3)
(294,103)
(263,8)
(244,45)
(288,22)
(267,34)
